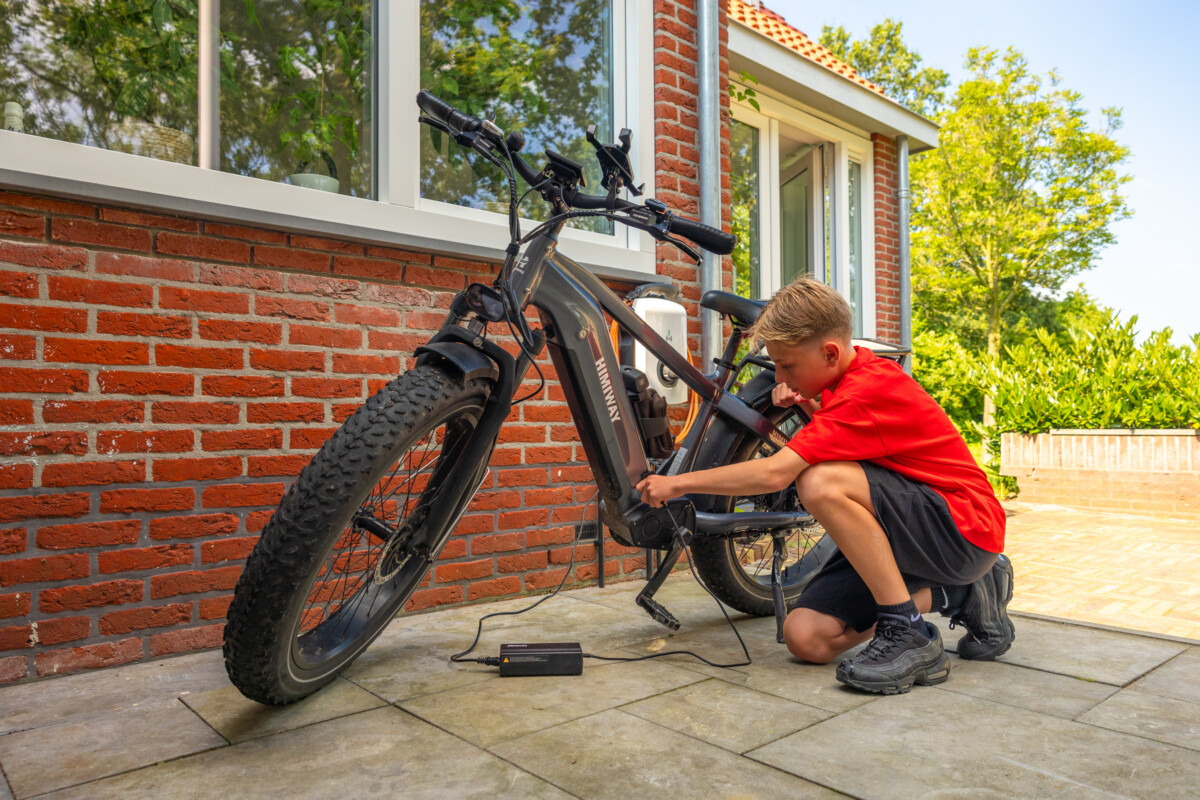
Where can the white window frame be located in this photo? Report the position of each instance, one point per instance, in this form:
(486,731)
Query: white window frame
(847,145)
(399,216)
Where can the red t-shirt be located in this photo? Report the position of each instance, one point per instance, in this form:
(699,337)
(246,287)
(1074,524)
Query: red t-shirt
(878,413)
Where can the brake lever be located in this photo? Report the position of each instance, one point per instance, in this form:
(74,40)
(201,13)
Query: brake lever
(657,230)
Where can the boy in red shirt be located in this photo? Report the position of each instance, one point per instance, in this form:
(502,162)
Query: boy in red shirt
(881,466)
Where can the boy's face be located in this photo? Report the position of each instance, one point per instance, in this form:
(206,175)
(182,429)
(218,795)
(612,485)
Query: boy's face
(810,366)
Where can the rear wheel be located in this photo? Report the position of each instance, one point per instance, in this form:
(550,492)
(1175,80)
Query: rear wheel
(738,568)
(332,567)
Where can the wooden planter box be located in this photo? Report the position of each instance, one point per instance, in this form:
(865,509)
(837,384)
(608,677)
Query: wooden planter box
(1139,471)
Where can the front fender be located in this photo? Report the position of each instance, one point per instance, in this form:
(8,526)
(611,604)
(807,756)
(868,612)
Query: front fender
(464,358)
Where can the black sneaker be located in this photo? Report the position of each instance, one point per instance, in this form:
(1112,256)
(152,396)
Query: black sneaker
(898,657)
(985,614)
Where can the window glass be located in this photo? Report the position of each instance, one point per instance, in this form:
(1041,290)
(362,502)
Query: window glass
(119,74)
(856,244)
(297,92)
(744,174)
(543,67)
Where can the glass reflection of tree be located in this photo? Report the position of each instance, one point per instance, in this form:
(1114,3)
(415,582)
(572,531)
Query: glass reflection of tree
(744,209)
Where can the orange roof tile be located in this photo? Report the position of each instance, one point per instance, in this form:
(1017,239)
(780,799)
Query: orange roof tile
(759,18)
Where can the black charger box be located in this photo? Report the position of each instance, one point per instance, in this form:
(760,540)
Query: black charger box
(519,660)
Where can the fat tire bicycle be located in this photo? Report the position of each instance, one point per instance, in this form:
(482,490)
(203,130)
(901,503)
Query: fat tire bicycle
(359,529)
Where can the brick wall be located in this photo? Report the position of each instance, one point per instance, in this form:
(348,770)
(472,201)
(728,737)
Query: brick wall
(887,239)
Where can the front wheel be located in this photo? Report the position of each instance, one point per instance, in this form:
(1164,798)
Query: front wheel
(332,567)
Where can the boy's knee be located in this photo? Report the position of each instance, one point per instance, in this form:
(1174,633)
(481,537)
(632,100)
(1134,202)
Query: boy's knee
(806,642)
(818,484)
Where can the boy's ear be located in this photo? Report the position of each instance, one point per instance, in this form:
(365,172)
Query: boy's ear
(832,350)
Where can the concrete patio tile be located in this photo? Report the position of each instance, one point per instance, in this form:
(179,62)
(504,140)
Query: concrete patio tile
(931,743)
(1163,719)
(1032,689)
(383,753)
(410,662)
(1177,678)
(726,715)
(681,595)
(5,793)
(505,708)
(48,758)
(617,756)
(72,697)
(239,719)
(781,675)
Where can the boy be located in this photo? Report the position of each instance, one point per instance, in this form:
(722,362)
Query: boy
(916,523)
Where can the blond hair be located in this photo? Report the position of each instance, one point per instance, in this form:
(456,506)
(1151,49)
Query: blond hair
(804,309)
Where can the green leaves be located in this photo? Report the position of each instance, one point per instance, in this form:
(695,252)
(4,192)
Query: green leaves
(887,62)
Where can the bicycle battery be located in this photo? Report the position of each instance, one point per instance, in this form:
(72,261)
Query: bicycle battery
(519,660)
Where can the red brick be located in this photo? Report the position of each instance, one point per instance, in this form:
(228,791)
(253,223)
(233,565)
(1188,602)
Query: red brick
(238,495)
(16,476)
(16,412)
(78,598)
(548,455)
(424,320)
(234,330)
(18,284)
(547,536)
(93,656)
(185,640)
(245,439)
(93,473)
(549,497)
(177,583)
(148,220)
(238,276)
(99,233)
(17,348)
(144,267)
(63,629)
(275,466)
(455,548)
(490,501)
(474,523)
(15,637)
(524,519)
(522,433)
(467,570)
(494,588)
(285,412)
(227,549)
(326,387)
(93,411)
(365,365)
(290,258)
(12,540)
(324,337)
(43,568)
(90,351)
(398,255)
(318,243)
(131,501)
(197,469)
(241,386)
(195,413)
(15,605)
(288,360)
(142,383)
(136,619)
(42,444)
(203,300)
(180,355)
(37,203)
(39,318)
(93,292)
(88,534)
(201,525)
(367,268)
(168,555)
(240,232)
(161,441)
(343,411)
(587,572)
(522,562)
(341,288)
(367,315)
(497,544)
(257,520)
(430,598)
(43,505)
(215,607)
(13,669)
(425,276)
(43,255)
(308,438)
(207,247)
(390,340)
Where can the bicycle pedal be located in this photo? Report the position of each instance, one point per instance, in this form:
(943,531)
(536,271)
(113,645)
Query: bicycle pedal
(660,614)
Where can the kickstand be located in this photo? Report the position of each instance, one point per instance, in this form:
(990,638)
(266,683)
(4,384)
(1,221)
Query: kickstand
(644,598)
(778,549)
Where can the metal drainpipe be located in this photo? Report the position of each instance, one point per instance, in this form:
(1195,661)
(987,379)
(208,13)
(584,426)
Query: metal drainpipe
(710,169)
(209,122)
(905,266)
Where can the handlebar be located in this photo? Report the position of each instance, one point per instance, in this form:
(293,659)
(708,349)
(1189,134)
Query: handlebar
(706,236)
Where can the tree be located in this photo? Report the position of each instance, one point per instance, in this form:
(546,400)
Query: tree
(887,62)
(1019,196)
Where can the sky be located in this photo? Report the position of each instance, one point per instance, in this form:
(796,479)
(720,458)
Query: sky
(1140,57)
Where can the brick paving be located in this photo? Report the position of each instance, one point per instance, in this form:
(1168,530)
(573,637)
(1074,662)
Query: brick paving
(1127,571)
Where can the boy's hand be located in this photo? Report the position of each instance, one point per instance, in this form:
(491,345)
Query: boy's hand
(782,396)
(658,489)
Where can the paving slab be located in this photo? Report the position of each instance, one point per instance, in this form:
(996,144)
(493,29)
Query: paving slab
(617,756)
(52,757)
(409,662)
(71,697)
(505,708)
(239,719)
(1178,678)
(727,715)
(1163,719)
(384,753)
(778,673)
(681,595)
(1032,689)
(939,741)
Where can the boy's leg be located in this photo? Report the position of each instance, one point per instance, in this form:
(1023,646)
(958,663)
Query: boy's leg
(819,638)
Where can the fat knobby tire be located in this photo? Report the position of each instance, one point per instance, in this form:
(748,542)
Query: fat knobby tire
(263,616)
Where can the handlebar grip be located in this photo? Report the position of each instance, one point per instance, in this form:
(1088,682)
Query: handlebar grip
(712,239)
(442,111)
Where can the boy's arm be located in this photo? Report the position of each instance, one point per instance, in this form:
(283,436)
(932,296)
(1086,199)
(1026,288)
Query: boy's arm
(757,476)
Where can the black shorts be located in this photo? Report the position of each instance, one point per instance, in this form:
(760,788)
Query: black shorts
(927,545)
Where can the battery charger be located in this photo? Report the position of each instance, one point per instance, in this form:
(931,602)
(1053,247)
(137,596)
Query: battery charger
(521,660)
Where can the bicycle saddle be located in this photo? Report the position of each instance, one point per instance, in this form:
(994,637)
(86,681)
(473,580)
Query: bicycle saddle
(742,311)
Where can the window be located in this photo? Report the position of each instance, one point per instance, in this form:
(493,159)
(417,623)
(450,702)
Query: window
(310,87)
(800,206)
